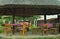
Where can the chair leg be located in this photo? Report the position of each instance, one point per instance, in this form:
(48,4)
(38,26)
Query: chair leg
(11,32)
(46,32)
(21,32)
(42,32)
(56,31)
(6,32)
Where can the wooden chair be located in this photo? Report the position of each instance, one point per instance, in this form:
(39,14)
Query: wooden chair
(22,29)
(7,29)
(55,29)
(44,29)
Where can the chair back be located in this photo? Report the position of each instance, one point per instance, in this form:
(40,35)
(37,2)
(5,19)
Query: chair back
(45,26)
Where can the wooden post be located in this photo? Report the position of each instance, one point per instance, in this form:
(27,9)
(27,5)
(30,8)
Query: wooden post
(45,19)
(59,22)
(13,10)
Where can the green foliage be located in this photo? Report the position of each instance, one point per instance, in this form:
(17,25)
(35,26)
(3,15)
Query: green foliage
(18,18)
(32,18)
(34,26)
(36,16)
(28,18)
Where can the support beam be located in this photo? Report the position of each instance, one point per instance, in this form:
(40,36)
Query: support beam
(13,20)
(45,19)
(59,22)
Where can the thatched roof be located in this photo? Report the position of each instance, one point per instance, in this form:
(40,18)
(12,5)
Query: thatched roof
(29,7)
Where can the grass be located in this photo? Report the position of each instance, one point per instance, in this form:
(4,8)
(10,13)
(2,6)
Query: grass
(35,38)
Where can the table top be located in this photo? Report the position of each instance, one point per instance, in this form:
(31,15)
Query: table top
(13,24)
